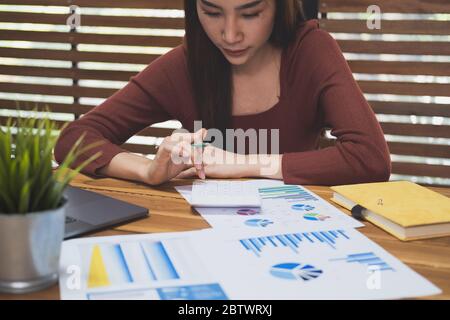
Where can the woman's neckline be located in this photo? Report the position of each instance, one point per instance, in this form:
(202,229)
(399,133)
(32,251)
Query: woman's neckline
(281,77)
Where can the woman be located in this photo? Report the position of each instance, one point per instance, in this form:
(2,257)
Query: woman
(245,64)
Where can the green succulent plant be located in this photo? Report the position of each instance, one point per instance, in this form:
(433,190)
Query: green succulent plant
(28,182)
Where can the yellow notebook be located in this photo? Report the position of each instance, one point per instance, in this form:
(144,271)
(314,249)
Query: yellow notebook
(402,208)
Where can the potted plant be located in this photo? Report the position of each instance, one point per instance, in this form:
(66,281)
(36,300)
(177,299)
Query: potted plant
(32,203)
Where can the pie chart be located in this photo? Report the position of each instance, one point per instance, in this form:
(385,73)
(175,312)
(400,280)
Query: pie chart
(315,217)
(302,207)
(295,271)
(247,212)
(258,223)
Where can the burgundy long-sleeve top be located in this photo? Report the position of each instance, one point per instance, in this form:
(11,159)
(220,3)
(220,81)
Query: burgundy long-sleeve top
(317,91)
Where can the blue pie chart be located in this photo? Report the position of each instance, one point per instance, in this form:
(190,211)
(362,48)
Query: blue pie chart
(295,271)
(258,223)
(302,207)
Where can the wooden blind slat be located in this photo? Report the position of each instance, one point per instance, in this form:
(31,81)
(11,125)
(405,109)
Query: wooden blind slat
(429,27)
(90,38)
(133,4)
(59,124)
(395,47)
(410,108)
(66,73)
(77,56)
(418,149)
(419,130)
(92,20)
(401,67)
(405,88)
(418,169)
(404,148)
(388,6)
(76,109)
(71,91)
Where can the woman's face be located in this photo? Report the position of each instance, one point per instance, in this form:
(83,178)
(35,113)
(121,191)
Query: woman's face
(239,28)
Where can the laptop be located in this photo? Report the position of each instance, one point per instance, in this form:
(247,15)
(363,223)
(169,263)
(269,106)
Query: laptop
(89,211)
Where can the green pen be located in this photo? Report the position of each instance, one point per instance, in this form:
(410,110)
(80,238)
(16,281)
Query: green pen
(200,145)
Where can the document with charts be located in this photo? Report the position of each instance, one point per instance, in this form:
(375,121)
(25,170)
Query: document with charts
(202,265)
(137,267)
(320,264)
(281,206)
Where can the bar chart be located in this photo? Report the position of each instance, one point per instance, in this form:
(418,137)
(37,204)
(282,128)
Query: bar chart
(138,262)
(294,241)
(288,192)
(146,269)
(128,263)
(370,259)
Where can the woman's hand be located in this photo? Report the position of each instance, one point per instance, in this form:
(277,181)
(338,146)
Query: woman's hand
(174,156)
(221,164)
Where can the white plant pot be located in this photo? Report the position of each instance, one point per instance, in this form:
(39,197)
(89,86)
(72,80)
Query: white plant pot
(30,247)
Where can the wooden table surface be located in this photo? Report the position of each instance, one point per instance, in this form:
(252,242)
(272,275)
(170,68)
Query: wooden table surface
(170,212)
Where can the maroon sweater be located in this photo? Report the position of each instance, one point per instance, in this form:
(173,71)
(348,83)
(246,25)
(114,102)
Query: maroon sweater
(317,91)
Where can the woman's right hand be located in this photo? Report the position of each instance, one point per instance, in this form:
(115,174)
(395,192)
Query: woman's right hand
(176,155)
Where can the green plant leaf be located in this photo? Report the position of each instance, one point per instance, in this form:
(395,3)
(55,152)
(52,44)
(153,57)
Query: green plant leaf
(24,198)
(27,180)
(7,202)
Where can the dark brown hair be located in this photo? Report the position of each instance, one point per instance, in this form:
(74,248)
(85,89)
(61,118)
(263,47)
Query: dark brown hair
(209,70)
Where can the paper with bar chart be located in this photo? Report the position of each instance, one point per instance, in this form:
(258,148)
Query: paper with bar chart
(314,264)
(281,206)
(162,267)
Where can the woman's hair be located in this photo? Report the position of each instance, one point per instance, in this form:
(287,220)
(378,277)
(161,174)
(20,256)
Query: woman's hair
(210,72)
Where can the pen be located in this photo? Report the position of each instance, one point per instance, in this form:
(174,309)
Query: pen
(201,170)
(200,145)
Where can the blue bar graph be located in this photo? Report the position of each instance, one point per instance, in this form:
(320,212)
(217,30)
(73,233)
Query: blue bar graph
(290,193)
(293,241)
(367,258)
(123,263)
(158,261)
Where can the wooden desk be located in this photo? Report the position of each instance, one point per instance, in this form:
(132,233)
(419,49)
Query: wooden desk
(170,212)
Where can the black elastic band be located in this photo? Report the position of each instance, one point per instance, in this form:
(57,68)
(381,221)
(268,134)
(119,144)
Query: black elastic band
(357,212)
